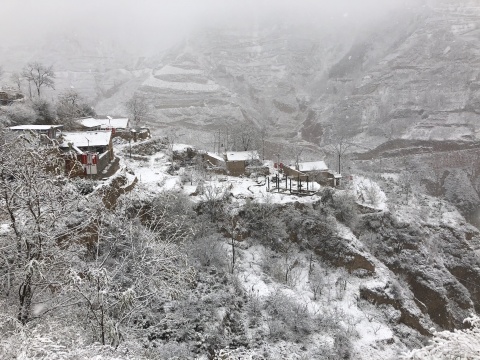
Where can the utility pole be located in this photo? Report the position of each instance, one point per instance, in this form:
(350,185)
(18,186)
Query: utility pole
(339,156)
(89,163)
(226,139)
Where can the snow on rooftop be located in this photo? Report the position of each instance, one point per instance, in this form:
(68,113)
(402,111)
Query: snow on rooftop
(242,155)
(181,147)
(85,139)
(215,156)
(104,123)
(35,127)
(312,166)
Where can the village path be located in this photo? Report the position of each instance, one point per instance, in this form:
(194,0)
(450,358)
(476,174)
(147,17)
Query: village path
(155,158)
(112,168)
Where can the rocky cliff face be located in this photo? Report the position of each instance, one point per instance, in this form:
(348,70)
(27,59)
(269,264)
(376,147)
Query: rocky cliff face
(413,75)
(424,87)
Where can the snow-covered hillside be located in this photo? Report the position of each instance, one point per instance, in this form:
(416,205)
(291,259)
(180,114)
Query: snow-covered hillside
(383,279)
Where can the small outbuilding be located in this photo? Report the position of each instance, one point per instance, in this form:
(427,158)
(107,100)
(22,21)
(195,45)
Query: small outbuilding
(51,131)
(107,123)
(93,149)
(237,162)
(313,171)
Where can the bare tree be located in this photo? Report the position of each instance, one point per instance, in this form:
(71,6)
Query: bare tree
(40,75)
(406,181)
(263,137)
(71,105)
(232,227)
(38,209)
(137,108)
(245,137)
(295,152)
(137,261)
(132,267)
(16,78)
(317,281)
(340,147)
(1,72)
(214,198)
(264,222)
(290,261)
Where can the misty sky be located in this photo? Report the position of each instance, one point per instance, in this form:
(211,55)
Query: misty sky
(147,24)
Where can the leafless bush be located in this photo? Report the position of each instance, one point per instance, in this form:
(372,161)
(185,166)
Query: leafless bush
(341,285)
(371,193)
(317,282)
(254,304)
(214,197)
(208,252)
(283,266)
(264,223)
(345,209)
(273,266)
(287,313)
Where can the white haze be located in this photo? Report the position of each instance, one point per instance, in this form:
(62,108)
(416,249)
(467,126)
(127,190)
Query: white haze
(147,26)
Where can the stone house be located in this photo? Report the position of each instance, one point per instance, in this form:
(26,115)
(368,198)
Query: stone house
(107,123)
(51,131)
(93,149)
(238,162)
(313,171)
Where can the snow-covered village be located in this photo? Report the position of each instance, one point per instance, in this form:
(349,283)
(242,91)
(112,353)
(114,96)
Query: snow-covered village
(257,180)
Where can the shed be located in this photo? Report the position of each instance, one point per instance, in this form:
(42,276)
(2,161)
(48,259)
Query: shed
(313,171)
(312,166)
(94,149)
(237,161)
(109,123)
(50,130)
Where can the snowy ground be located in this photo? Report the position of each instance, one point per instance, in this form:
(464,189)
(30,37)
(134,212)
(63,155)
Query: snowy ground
(369,329)
(151,172)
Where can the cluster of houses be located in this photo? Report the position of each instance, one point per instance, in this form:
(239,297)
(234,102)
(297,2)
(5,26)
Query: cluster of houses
(91,146)
(246,163)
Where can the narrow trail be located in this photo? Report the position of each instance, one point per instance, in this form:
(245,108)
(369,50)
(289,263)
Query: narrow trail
(154,158)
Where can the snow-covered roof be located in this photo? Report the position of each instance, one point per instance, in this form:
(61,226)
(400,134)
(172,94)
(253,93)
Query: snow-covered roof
(181,147)
(119,123)
(242,155)
(86,138)
(35,127)
(215,156)
(312,166)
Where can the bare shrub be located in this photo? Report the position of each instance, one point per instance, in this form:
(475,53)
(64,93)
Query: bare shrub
(208,252)
(313,227)
(345,209)
(264,223)
(317,282)
(213,200)
(288,314)
(272,265)
(341,285)
(283,266)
